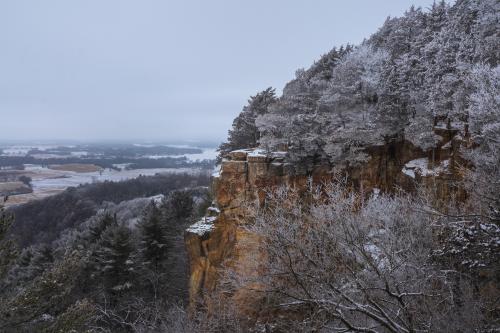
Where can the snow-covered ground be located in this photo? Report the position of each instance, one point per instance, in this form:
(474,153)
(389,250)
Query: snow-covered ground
(48,179)
(207,154)
(47,182)
(22,150)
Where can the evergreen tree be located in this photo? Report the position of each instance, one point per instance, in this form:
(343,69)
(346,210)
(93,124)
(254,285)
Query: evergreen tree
(21,272)
(8,248)
(153,243)
(177,206)
(113,259)
(392,111)
(244,133)
(43,257)
(98,227)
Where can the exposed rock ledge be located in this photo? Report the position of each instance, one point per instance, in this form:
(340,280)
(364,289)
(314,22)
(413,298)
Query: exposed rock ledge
(219,240)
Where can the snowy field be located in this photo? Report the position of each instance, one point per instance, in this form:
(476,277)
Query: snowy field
(48,182)
(49,179)
(23,150)
(207,154)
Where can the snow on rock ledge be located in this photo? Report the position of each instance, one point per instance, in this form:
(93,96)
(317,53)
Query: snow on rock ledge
(203,226)
(255,155)
(217,171)
(421,167)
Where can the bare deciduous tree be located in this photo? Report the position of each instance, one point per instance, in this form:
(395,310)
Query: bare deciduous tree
(336,263)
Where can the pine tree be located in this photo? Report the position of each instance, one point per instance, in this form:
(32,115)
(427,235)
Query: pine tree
(392,111)
(21,271)
(98,227)
(177,206)
(244,133)
(43,257)
(113,259)
(153,243)
(31,263)
(8,248)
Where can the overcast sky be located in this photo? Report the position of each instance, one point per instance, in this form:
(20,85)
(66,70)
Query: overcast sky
(160,69)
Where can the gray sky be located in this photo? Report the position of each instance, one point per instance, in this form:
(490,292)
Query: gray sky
(160,69)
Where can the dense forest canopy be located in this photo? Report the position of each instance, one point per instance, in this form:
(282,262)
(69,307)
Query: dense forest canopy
(427,68)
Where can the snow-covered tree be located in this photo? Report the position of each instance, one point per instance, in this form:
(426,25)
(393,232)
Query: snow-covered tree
(338,263)
(484,119)
(407,78)
(244,133)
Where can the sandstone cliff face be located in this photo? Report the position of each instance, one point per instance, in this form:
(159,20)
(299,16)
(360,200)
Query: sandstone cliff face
(220,241)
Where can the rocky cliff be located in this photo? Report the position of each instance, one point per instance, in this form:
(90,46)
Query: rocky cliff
(220,242)
(395,112)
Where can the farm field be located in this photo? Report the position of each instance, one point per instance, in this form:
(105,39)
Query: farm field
(74,166)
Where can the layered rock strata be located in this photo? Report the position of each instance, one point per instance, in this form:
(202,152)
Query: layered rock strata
(219,241)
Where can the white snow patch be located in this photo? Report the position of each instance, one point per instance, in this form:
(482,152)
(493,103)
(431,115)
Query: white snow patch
(241,151)
(157,199)
(217,171)
(421,166)
(48,179)
(279,154)
(79,153)
(409,172)
(456,125)
(23,150)
(214,209)
(206,154)
(121,166)
(203,226)
(447,145)
(441,125)
(258,153)
(46,317)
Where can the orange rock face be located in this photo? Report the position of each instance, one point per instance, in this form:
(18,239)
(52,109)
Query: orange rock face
(246,175)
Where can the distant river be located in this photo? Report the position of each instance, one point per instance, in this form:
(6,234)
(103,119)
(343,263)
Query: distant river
(46,182)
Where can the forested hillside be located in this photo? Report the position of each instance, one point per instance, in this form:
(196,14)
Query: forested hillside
(425,69)
(42,221)
(90,256)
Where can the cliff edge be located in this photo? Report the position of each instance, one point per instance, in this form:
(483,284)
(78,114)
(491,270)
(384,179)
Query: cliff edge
(220,242)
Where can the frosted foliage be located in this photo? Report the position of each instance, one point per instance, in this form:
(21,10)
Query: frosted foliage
(272,124)
(244,133)
(484,113)
(375,265)
(484,110)
(420,133)
(356,76)
(437,65)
